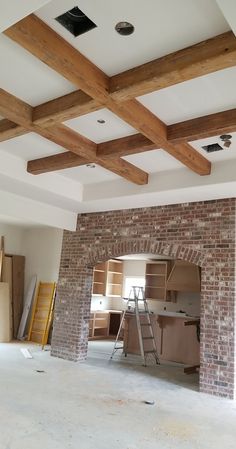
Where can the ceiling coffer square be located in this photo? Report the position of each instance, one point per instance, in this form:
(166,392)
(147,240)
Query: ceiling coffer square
(76,22)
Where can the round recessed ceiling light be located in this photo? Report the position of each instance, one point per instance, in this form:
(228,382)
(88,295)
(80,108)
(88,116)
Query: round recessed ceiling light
(226,137)
(101,121)
(90,165)
(124,28)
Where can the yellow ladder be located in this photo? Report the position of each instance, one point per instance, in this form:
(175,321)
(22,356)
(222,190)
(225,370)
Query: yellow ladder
(42,313)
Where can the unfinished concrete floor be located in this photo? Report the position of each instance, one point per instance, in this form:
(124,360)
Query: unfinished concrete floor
(100,405)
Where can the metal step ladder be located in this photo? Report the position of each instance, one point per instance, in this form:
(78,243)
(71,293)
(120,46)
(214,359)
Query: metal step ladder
(136,297)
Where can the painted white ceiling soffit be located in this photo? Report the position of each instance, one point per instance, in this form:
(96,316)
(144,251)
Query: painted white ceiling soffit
(13,171)
(189,22)
(28,210)
(163,188)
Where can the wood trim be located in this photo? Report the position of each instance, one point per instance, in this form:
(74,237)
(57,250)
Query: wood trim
(197,60)
(55,162)
(203,127)
(136,143)
(64,108)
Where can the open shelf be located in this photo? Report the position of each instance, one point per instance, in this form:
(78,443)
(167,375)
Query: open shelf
(156,279)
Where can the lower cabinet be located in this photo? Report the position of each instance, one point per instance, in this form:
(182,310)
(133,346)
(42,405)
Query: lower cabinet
(103,324)
(99,324)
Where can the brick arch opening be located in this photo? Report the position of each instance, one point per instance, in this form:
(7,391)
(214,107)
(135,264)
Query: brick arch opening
(143,246)
(202,233)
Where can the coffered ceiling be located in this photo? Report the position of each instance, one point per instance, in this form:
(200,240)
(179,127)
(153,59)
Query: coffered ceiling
(86,126)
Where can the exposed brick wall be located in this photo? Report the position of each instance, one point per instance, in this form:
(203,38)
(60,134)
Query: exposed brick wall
(202,233)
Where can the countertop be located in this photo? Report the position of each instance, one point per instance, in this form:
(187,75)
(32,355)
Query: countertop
(177,315)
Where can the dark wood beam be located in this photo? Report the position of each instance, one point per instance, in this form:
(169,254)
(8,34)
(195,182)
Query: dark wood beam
(201,59)
(203,127)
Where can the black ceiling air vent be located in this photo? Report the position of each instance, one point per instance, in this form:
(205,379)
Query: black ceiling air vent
(76,21)
(212,148)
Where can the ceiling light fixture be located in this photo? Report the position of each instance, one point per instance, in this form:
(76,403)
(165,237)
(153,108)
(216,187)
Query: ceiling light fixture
(124,28)
(101,121)
(226,138)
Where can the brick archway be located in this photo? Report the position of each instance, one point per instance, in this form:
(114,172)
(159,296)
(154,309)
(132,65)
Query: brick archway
(201,233)
(102,253)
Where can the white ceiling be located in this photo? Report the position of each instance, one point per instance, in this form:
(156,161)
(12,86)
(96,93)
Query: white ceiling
(201,96)
(160,28)
(14,10)
(113,128)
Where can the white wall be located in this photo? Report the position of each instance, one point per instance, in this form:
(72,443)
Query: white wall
(42,250)
(13,238)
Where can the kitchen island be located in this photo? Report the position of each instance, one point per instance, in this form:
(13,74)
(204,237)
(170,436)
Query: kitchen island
(176,341)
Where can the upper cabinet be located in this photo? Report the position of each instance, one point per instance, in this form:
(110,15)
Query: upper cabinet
(114,278)
(99,279)
(156,279)
(108,278)
(184,277)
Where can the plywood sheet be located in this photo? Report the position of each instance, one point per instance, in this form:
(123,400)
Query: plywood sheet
(5,313)
(18,274)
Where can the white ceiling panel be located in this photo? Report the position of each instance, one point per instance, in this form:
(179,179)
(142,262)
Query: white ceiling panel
(26,77)
(113,128)
(88,175)
(201,96)
(30,146)
(154,161)
(14,10)
(161,27)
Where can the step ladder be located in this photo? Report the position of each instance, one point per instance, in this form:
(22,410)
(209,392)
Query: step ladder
(136,297)
(42,313)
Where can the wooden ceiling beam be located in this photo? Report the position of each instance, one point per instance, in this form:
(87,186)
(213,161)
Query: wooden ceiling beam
(113,149)
(203,127)
(40,40)
(64,108)
(19,111)
(56,162)
(125,146)
(15,110)
(9,130)
(149,125)
(197,60)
